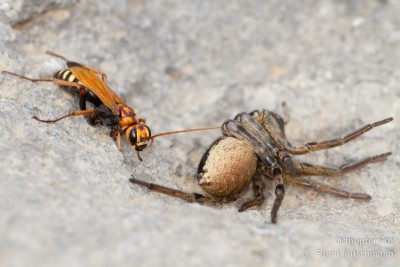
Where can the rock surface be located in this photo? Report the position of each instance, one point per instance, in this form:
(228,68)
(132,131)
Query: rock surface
(65,199)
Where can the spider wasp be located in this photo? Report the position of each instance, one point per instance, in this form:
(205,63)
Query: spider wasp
(253,146)
(108,108)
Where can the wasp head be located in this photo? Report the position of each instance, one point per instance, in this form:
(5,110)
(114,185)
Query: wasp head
(138,135)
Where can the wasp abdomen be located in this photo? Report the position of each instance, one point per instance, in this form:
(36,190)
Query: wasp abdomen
(67,75)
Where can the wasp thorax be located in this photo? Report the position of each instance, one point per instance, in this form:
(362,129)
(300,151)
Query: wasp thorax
(138,136)
(227,167)
(128,117)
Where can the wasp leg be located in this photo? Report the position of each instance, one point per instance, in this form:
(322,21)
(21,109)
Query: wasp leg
(326,189)
(258,189)
(56,55)
(304,149)
(56,81)
(76,113)
(308,169)
(119,138)
(59,82)
(27,78)
(94,70)
(120,141)
(82,105)
(103,75)
(192,198)
(92,119)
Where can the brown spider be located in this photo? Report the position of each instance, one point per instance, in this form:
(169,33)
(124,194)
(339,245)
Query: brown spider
(254,145)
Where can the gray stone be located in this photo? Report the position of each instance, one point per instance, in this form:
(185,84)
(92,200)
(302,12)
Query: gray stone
(19,12)
(65,199)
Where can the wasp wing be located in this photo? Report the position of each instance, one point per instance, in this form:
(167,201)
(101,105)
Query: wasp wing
(92,82)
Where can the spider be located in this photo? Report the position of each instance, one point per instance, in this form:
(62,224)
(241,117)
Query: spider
(253,146)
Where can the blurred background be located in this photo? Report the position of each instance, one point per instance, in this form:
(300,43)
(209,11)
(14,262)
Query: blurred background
(65,199)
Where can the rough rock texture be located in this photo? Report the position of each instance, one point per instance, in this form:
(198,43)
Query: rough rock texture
(65,199)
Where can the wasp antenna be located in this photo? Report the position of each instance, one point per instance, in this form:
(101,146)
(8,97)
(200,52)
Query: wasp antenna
(56,55)
(183,131)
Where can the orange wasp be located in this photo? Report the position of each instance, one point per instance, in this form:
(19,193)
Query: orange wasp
(108,108)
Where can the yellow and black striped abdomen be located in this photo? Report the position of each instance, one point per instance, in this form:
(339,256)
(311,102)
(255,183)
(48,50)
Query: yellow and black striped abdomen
(67,75)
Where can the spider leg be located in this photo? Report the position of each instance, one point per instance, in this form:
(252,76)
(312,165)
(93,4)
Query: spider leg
(313,146)
(325,188)
(247,131)
(192,198)
(280,194)
(274,125)
(286,114)
(308,169)
(245,128)
(258,189)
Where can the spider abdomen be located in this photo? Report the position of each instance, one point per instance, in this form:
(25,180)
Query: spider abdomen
(227,167)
